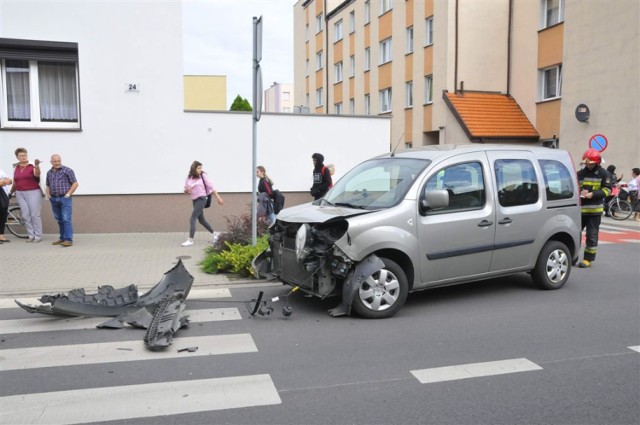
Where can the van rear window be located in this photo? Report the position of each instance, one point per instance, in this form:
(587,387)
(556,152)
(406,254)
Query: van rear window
(557,179)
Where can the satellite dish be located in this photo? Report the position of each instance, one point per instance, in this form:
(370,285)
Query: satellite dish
(582,113)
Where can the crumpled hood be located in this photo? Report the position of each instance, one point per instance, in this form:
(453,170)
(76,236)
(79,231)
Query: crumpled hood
(309,213)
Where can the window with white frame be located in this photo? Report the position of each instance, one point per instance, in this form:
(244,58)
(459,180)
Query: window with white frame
(319,61)
(319,97)
(367,104)
(352,22)
(319,26)
(338,108)
(367,11)
(352,106)
(352,66)
(410,40)
(385,100)
(428,89)
(286,96)
(550,83)
(39,86)
(337,71)
(385,6)
(385,51)
(409,94)
(552,12)
(428,34)
(286,109)
(367,59)
(306,32)
(337,27)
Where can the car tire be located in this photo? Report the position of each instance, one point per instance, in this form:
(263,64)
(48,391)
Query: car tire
(383,293)
(553,267)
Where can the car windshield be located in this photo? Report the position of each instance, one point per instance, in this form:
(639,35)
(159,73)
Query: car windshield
(375,184)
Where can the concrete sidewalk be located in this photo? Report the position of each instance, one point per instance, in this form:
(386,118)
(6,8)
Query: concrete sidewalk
(116,259)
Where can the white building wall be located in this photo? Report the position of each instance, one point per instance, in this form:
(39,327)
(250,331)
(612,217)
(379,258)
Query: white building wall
(142,142)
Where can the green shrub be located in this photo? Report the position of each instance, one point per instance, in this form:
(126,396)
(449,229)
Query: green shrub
(236,258)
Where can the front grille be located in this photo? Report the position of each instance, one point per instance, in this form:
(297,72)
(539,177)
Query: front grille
(290,271)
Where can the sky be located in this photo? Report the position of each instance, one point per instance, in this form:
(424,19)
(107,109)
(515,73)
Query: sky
(218,40)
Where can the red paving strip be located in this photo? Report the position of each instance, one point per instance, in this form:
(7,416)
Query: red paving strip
(617,236)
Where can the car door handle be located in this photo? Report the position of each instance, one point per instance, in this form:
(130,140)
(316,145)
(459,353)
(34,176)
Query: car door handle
(485,223)
(505,220)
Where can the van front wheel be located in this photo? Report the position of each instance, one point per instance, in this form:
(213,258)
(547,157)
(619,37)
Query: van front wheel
(553,266)
(383,293)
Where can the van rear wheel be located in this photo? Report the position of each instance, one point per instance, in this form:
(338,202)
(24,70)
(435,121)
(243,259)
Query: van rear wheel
(553,266)
(383,293)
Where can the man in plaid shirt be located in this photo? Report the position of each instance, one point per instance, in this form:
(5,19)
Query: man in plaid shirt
(61,183)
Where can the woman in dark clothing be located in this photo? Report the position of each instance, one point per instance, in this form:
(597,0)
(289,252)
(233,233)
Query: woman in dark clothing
(265,185)
(321,177)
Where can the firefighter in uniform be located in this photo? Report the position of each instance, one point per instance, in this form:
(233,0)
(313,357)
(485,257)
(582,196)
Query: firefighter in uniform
(595,185)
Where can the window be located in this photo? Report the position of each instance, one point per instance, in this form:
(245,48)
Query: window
(385,51)
(428,89)
(517,182)
(410,40)
(319,25)
(551,83)
(286,109)
(409,94)
(428,34)
(338,108)
(352,22)
(306,32)
(367,104)
(39,86)
(286,96)
(385,100)
(367,12)
(319,61)
(557,179)
(338,30)
(385,6)
(337,68)
(319,97)
(352,66)
(465,184)
(367,59)
(552,12)
(352,106)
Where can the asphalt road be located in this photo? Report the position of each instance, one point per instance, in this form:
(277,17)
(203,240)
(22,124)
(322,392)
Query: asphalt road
(314,369)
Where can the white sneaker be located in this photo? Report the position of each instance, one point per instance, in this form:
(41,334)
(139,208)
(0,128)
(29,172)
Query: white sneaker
(188,242)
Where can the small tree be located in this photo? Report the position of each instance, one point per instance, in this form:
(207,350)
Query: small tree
(240,104)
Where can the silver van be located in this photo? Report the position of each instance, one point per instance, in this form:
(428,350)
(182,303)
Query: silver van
(428,218)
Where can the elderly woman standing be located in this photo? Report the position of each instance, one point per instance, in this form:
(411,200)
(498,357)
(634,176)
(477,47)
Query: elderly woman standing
(26,186)
(199,187)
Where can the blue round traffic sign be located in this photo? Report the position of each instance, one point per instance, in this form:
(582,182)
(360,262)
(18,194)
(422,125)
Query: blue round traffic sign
(598,142)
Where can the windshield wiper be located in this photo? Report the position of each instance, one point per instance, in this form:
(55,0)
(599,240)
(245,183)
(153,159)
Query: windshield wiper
(348,205)
(323,200)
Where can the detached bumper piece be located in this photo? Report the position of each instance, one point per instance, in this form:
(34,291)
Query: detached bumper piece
(160,310)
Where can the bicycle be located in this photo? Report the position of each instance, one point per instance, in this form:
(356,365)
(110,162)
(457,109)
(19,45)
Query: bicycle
(15,222)
(618,208)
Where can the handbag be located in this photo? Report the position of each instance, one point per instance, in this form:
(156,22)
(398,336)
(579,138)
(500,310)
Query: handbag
(207,204)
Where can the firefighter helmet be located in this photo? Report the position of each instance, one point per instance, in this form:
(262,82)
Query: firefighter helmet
(591,156)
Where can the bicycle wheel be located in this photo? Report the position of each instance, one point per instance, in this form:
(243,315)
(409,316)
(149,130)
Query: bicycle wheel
(15,222)
(620,209)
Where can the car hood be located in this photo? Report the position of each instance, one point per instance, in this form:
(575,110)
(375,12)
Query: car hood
(309,213)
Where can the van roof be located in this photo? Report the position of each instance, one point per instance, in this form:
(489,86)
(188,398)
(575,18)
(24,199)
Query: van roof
(439,151)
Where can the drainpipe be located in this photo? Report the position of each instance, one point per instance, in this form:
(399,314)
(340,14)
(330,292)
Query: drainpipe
(326,59)
(509,46)
(455,68)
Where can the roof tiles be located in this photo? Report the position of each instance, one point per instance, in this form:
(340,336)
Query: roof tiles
(490,115)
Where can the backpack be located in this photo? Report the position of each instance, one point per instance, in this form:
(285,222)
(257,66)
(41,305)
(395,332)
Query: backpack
(324,167)
(278,201)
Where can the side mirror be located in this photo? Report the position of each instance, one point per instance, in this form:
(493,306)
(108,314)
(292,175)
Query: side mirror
(434,199)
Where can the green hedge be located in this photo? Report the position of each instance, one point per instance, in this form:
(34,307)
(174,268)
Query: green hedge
(234,258)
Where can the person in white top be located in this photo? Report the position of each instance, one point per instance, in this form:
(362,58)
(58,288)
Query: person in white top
(632,188)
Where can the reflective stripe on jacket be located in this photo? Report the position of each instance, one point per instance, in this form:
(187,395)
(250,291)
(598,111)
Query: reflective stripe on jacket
(598,182)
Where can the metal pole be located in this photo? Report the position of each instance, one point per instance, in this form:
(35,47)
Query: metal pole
(254,163)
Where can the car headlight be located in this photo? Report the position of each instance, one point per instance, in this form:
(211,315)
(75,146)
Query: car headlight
(303,242)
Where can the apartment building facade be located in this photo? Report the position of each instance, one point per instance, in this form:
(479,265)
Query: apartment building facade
(279,98)
(454,71)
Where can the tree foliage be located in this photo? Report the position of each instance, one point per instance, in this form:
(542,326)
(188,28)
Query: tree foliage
(240,104)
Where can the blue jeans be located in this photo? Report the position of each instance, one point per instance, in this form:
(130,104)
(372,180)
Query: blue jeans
(62,210)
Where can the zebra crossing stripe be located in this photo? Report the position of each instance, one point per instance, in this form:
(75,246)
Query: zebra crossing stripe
(56,323)
(138,401)
(194,294)
(636,348)
(122,351)
(473,370)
